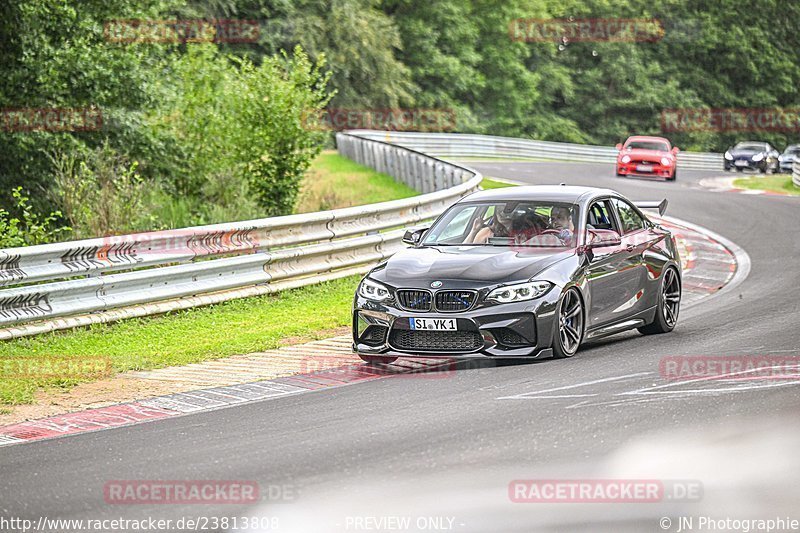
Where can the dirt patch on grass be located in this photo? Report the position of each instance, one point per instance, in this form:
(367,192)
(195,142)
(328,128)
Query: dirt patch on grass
(300,339)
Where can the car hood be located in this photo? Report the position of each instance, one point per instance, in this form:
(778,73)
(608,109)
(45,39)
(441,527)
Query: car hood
(465,265)
(641,153)
(744,153)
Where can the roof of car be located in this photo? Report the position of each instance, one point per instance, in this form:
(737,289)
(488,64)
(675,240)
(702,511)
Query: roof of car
(548,193)
(646,138)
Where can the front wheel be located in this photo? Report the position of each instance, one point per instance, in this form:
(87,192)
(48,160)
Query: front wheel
(377,359)
(674,175)
(669,305)
(570,326)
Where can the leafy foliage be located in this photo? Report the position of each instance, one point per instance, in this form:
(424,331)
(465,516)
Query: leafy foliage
(29,228)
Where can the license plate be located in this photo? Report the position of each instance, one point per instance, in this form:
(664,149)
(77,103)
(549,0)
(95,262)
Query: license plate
(434,324)
(644,168)
(741,163)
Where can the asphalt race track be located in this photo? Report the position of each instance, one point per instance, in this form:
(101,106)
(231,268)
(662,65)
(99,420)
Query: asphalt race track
(441,448)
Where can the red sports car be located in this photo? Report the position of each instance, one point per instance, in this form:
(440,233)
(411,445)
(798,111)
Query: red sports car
(647,156)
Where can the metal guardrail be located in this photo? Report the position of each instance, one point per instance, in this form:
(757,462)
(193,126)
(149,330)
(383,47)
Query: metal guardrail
(796,173)
(465,146)
(97,275)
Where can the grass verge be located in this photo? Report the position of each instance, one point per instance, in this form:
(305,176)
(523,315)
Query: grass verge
(489,183)
(333,181)
(778,183)
(188,336)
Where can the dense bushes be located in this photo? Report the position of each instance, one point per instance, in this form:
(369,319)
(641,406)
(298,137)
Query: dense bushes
(191,133)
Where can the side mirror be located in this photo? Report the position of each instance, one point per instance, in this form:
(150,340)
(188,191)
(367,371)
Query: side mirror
(603,238)
(675,150)
(618,146)
(413,236)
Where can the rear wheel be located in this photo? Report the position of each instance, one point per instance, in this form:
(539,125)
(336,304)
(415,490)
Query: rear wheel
(570,326)
(377,359)
(669,305)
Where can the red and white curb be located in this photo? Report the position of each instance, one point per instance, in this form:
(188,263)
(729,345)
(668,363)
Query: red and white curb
(708,265)
(184,403)
(725,184)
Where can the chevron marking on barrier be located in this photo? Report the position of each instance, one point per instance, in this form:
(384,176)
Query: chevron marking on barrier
(25,305)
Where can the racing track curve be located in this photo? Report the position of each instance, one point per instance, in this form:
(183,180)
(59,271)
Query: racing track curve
(448,444)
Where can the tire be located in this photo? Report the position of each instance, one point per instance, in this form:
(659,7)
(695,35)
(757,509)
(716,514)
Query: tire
(669,305)
(377,359)
(674,175)
(570,325)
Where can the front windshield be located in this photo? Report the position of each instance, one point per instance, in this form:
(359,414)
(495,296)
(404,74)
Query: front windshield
(506,223)
(648,145)
(750,146)
(792,150)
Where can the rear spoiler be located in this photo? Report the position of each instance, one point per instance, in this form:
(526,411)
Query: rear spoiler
(661,206)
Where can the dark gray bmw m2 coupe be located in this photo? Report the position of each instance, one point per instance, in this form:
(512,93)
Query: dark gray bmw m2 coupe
(521,272)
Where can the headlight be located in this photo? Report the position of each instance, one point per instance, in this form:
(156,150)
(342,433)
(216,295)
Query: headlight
(758,157)
(519,292)
(372,290)
(665,161)
(626,159)
(728,156)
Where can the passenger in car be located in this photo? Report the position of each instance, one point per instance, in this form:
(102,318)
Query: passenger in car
(497,226)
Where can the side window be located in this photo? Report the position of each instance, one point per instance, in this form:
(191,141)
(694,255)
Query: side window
(631,220)
(599,216)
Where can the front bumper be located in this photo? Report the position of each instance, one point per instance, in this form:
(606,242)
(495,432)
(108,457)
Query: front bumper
(640,169)
(745,164)
(515,330)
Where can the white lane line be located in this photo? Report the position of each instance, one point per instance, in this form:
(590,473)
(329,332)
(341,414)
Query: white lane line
(760,385)
(528,395)
(568,396)
(721,377)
